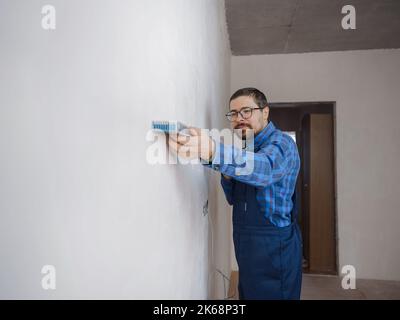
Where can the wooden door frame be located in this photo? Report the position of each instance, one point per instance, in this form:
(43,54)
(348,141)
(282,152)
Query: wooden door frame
(316,107)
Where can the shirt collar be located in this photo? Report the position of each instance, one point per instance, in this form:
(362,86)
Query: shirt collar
(263,134)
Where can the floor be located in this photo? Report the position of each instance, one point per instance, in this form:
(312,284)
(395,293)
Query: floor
(321,287)
(318,287)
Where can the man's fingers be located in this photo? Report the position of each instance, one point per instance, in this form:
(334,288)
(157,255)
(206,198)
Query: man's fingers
(185,146)
(173,145)
(182,150)
(188,152)
(179,139)
(173,136)
(183,139)
(186,139)
(194,131)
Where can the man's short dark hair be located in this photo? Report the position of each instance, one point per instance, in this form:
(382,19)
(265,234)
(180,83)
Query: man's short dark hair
(258,97)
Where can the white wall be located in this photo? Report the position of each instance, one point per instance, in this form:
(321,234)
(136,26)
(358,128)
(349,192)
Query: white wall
(76,191)
(365,86)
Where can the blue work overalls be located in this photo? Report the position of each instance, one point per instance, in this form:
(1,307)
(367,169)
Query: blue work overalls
(269,257)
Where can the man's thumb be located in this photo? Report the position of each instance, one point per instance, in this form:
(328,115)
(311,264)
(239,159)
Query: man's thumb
(194,131)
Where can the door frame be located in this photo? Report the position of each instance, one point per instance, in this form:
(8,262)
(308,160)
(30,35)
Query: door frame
(321,107)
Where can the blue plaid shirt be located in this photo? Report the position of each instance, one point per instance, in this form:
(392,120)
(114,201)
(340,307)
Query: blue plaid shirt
(276,165)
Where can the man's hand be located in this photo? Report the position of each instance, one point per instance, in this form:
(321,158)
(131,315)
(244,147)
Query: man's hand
(197,145)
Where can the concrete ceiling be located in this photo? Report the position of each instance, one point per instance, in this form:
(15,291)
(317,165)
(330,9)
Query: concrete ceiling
(289,26)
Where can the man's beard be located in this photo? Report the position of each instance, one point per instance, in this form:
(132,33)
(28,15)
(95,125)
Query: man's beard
(244,134)
(243,131)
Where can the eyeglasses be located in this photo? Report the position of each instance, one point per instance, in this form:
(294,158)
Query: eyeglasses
(245,112)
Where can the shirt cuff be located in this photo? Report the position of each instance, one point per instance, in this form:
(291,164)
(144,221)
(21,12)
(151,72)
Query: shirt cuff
(214,163)
(226,182)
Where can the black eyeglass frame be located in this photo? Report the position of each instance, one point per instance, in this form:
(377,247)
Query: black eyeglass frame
(231,113)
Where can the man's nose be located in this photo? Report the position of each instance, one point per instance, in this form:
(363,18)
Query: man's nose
(238,121)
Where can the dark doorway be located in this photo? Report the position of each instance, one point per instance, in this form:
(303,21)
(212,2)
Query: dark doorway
(312,126)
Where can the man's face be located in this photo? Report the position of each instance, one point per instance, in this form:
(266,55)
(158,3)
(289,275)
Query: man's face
(257,121)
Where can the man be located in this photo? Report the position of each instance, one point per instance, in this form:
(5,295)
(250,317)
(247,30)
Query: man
(267,240)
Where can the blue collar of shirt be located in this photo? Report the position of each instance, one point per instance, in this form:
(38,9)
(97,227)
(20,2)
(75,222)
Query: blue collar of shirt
(263,134)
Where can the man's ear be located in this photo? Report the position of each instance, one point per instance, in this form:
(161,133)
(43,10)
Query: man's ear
(265,113)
